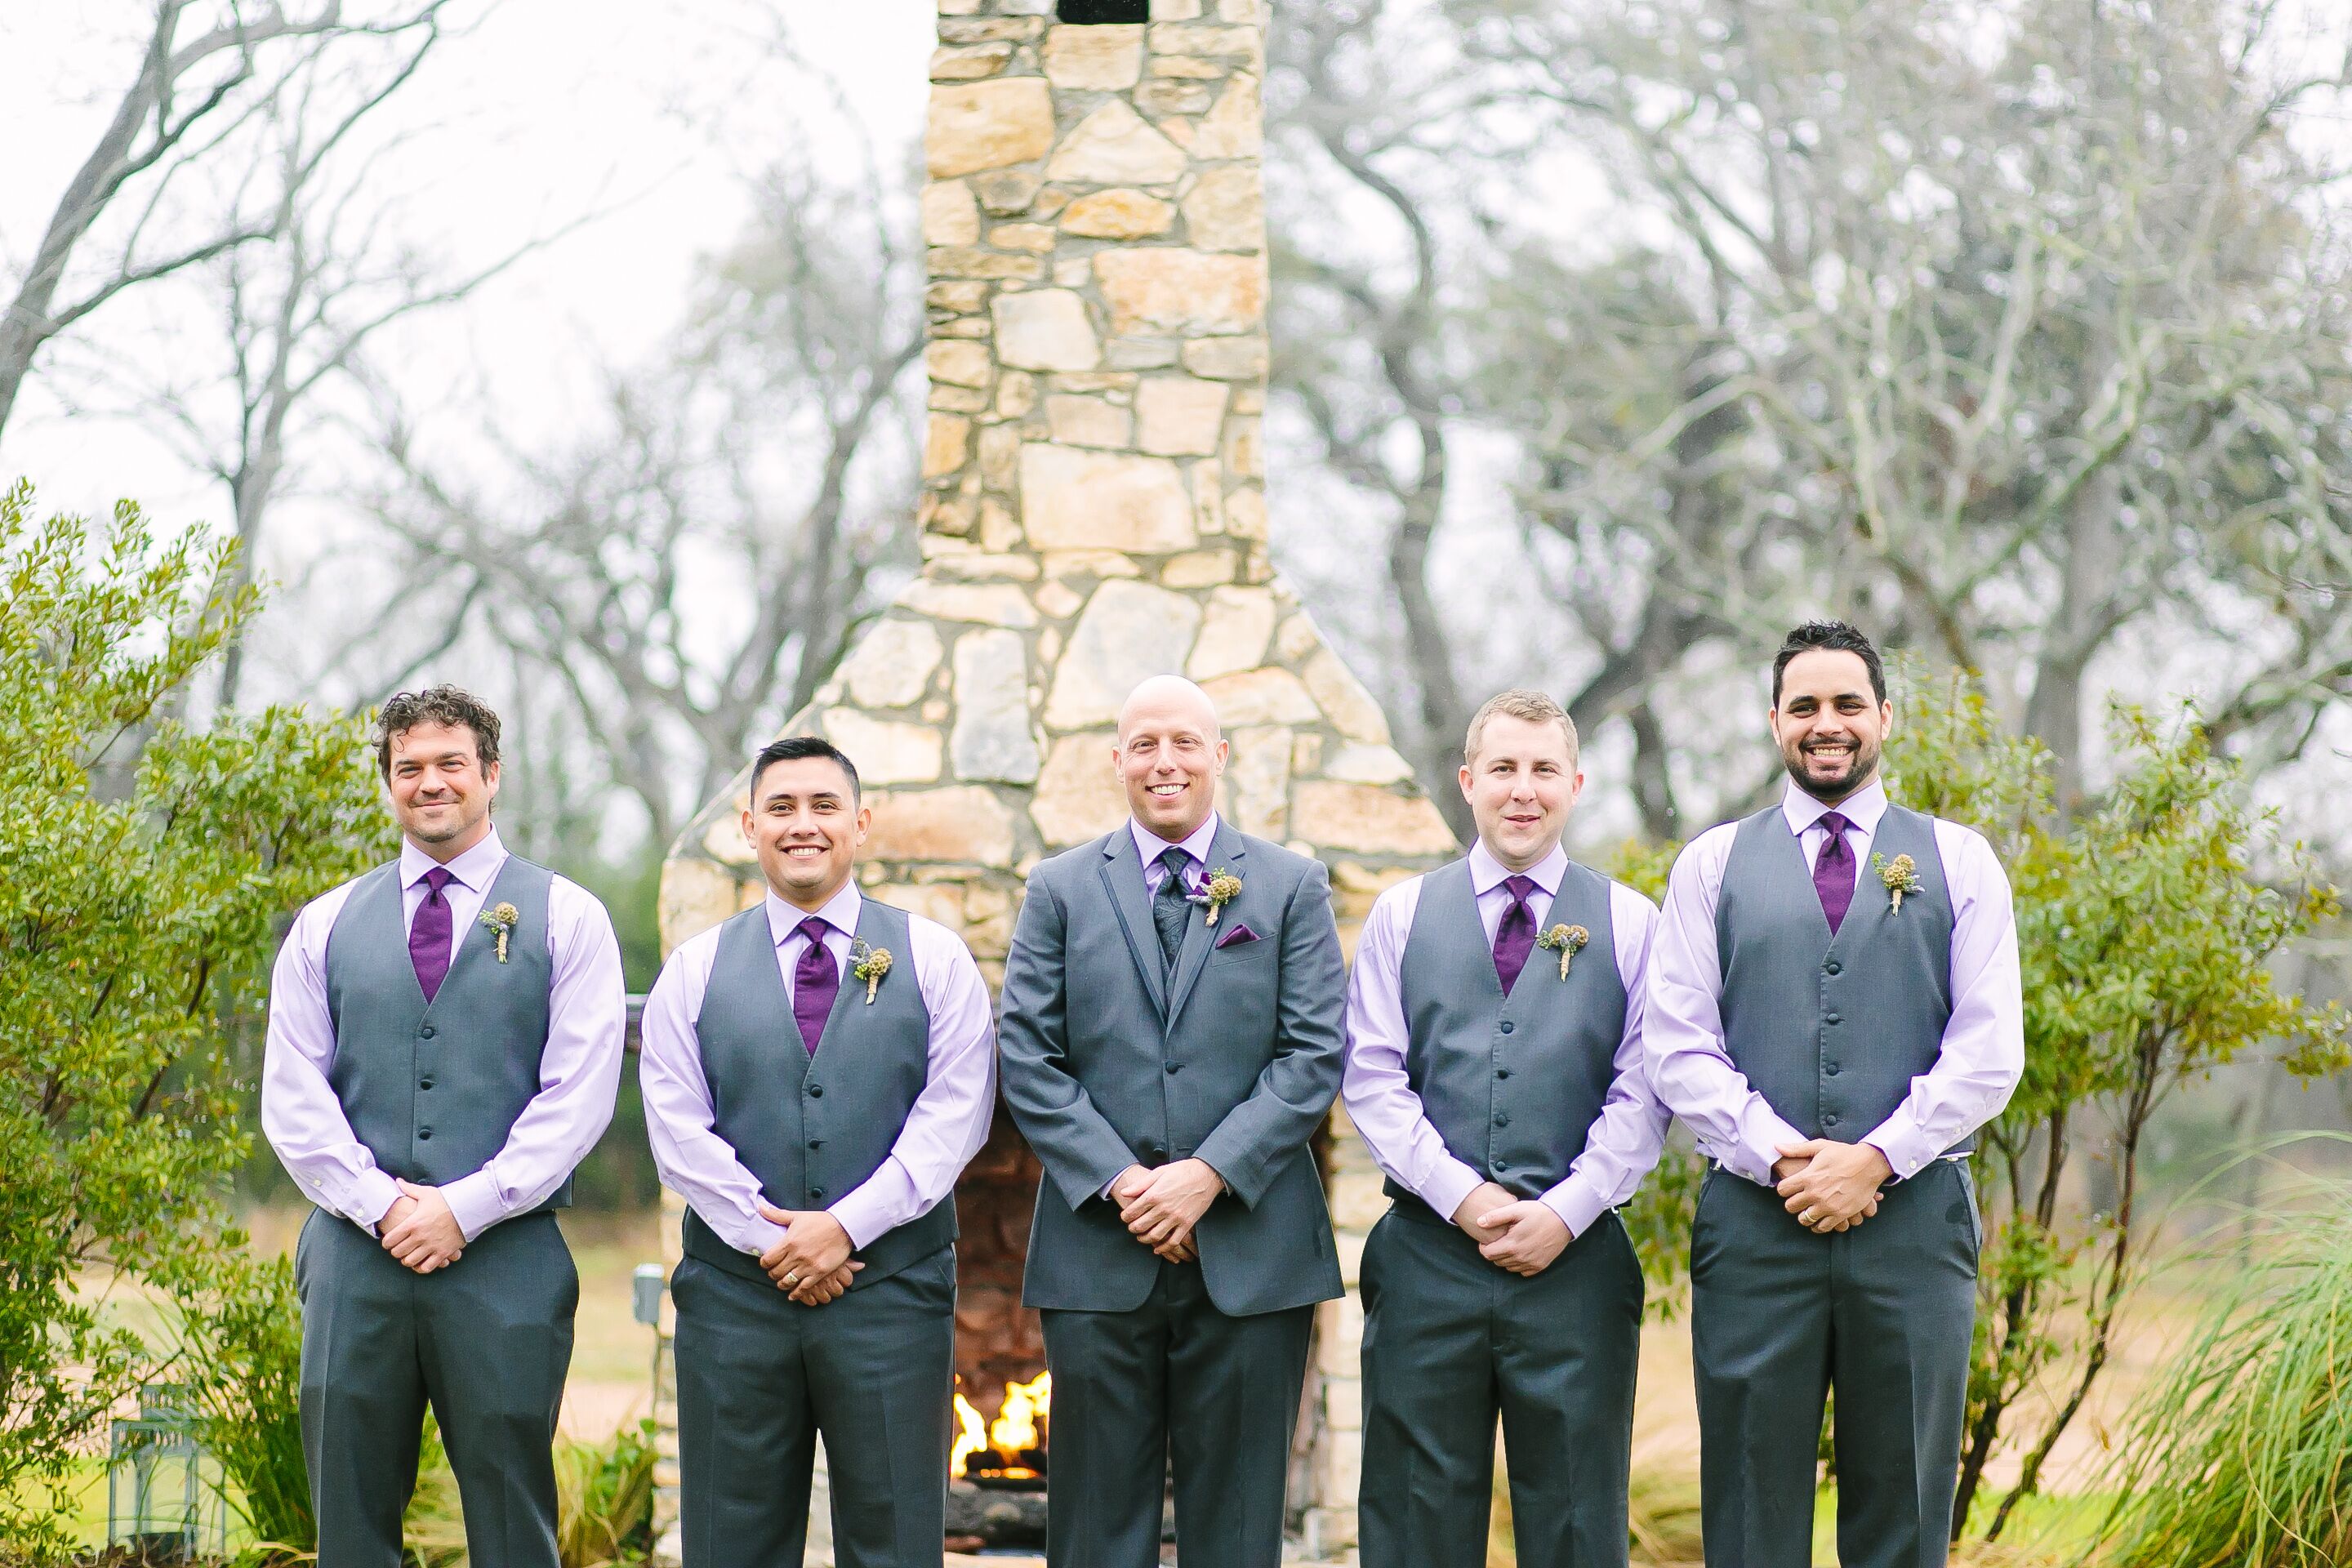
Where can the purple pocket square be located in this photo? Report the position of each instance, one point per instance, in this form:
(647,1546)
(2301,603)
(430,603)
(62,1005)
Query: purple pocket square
(1235,937)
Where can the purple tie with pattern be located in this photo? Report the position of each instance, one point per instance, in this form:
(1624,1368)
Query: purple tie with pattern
(428,934)
(816,981)
(1515,936)
(1833,872)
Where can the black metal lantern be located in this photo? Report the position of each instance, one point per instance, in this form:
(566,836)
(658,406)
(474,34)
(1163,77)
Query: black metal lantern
(164,1501)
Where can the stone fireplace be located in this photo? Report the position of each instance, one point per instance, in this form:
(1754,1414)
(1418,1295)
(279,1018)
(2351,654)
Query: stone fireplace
(1093,512)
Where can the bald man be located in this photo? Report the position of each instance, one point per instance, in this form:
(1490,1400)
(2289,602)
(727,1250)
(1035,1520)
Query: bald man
(1173,1019)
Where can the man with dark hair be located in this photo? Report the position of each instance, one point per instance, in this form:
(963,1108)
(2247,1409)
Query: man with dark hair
(1494,1069)
(444,1047)
(1835,1010)
(1172,1027)
(817,1073)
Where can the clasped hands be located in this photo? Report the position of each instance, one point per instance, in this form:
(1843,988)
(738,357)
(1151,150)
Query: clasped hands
(1830,1186)
(1161,1206)
(812,1264)
(419,1231)
(1515,1234)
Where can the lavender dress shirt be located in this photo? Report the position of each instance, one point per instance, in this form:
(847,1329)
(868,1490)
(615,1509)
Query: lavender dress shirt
(579,1072)
(1622,1144)
(1983,1053)
(943,1131)
(1151,845)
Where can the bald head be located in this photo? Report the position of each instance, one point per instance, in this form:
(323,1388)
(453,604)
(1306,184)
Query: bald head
(1166,697)
(1169,754)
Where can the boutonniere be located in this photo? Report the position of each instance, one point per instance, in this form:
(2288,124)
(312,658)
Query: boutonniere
(1221,888)
(871,964)
(1565,941)
(1901,876)
(501,923)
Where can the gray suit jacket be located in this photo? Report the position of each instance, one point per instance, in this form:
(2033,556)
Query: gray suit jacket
(1235,1060)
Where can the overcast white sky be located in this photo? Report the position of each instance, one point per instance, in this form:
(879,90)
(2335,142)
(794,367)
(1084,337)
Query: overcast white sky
(544,109)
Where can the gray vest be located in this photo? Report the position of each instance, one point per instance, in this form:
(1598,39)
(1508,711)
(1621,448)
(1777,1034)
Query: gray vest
(1831,1030)
(1513,1083)
(813,1128)
(433,1090)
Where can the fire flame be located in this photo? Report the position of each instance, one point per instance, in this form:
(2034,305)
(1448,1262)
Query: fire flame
(1001,1444)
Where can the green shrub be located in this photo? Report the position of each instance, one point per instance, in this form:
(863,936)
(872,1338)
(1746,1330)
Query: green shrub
(240,1347)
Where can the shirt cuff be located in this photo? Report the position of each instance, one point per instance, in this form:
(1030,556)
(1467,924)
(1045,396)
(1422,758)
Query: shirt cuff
(475,1202)
(866,1211)
(369,1198)
(1446,1187)
(1906,1148)
(1577,1204)
(1760,1137)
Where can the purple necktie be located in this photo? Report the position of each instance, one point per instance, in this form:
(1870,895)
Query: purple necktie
(1515,936)
(816,981)
(428,934)
(1833,872)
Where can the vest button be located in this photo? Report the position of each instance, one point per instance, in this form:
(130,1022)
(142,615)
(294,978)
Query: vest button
(1175,1068)
(1502,1118)
(1830,1120)
(816,1091)
(817,1143)
(1508,1026)
(424,1083)
(1501,1073)
(1832,1069)
(816,1191)
(426,1033)
(1832,967)
(424,1135)
(1831,1018)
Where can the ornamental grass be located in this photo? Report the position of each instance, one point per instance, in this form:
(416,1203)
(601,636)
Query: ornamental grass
(2240,1455)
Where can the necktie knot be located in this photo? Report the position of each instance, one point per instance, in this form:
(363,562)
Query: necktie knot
(813,928)
(1174,860)
(1521,889)
(438,878)
(1835,824)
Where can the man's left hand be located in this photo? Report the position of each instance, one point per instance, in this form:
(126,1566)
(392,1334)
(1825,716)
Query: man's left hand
(1529,1236)
(1172,1203)
(815,1249)
(430,1236)
(1838,1187)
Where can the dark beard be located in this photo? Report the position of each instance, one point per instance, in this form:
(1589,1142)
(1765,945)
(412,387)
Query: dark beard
(1864,769)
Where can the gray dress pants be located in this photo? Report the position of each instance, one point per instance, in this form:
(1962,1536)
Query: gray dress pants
(1174,1382)
(1451,1342)
(486,1341)
(760,1378)
(1883,1313)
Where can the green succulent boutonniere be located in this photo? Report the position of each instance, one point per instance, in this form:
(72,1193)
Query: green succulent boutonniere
(1901,876)
(501,923)
(871,964)
(1221,888)
(1565,941)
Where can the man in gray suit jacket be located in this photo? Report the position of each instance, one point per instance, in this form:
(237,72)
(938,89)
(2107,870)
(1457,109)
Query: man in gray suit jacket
(1172,1030)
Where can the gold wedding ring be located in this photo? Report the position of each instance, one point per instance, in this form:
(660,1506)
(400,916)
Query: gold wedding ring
(793,1278)
(1807,1218)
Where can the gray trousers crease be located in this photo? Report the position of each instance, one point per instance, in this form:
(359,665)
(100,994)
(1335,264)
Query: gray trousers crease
(761,1378)
(486,1342)
(1884,1314)
(1175,1383)
(1452,1343)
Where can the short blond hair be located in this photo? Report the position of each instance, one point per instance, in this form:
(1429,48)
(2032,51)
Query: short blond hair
(1520,702)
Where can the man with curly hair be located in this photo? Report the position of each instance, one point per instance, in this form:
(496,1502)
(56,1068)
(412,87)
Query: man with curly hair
(444,1047)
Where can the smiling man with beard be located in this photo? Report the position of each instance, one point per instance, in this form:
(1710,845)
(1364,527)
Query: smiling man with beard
(817,1073)
(1834,1009)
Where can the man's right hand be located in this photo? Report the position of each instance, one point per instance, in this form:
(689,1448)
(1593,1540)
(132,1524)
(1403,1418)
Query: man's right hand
(1484,1199)
(402,1207)
(1123,1188)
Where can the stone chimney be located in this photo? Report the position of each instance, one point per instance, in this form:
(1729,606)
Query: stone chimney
(1094,512)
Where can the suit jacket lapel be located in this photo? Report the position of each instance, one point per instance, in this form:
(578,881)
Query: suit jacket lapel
(1122,875)
(1200,937)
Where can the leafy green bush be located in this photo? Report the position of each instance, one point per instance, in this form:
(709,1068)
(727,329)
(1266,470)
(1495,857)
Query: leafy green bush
(241,1359)
(145,869)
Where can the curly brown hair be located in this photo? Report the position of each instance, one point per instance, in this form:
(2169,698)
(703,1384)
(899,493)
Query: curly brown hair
(449,705)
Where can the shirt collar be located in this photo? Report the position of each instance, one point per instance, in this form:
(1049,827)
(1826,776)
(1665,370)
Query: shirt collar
(839,912)
(476,868)
(1863,808)
(1487,873)
(1149,845)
